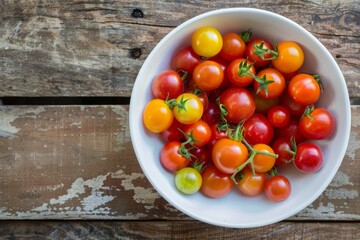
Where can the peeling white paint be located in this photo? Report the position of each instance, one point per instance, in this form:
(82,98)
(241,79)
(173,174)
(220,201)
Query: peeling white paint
(341,193)
(7,116)
(354,145)
(142,195)
(326,210)
(340,179)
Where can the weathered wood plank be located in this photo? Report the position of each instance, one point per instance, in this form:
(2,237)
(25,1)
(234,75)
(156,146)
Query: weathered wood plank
(93,48)
(174,230)
(77,162)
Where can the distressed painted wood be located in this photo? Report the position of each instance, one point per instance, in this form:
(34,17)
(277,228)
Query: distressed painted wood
(95,48)
(174,230)
(77,162)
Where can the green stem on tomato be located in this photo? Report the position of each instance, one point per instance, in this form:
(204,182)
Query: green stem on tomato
(261,51)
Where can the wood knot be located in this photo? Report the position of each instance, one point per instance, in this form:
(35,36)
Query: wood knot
(137,13)
(338,56)
(135,53)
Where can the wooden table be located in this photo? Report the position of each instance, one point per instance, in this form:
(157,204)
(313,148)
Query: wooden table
(67,68)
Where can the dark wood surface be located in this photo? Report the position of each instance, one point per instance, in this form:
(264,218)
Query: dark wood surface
(72,170)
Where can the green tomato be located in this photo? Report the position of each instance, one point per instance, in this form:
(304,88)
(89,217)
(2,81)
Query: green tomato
(188,180)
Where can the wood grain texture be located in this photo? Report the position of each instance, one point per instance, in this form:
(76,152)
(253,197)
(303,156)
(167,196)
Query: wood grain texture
(174,230)
(95,48)
(77,162)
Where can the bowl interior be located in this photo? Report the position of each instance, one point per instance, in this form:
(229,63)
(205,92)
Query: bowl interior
(235,210)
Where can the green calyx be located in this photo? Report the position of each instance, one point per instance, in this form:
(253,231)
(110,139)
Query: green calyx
(245,35)
(250,160)
(261,51)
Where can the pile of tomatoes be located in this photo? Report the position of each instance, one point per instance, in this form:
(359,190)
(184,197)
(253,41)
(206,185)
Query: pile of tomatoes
(233,111)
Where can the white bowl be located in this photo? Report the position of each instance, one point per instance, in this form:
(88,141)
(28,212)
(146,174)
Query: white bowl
(234,210)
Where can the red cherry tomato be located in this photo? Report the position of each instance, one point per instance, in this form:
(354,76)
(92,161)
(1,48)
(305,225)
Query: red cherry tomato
(185,59)
(320,124)
(239,103)
(208,75)
(200,155)
(309,157)
(296,110)
(173,133)
(216,135)
(228,155)
(274,89)
(281,147)
(167,85)
(233,47)
(170,157)
(291,130)
(256,59)
(232,73)
(215,184)
(257,129)
(304,89)
(211,114)
(200,131)
(277,188)
(279,116)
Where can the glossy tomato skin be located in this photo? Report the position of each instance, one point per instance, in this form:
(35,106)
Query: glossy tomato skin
(251,185)
(277,188)
(157,116)
(264,105)
(193,108)
(211,114)
(252,57)
(276,88)
(279,116)
(173,133)
(304,89)
(309,157)
(228,155)
(290,57)
(232,73)
(295,109)
(201,155)
(208,75)
(257,129)
(263,163)
(188,180)
(291,130)
(239,103)
(281,147)
(320,124)
(167,85)
(170,157)
(201,131)
(216,135)
(215,183)
(206,41)
(233,46)
(185,59)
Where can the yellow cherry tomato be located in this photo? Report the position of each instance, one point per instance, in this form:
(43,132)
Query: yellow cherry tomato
(290,57)
(188,109)
(157,116)
(206,41)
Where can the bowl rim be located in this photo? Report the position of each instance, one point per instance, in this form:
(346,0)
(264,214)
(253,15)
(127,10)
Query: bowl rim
(262,222)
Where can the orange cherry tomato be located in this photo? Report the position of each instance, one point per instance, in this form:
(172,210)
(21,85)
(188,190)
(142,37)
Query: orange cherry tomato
(274,89)
(263,163)
(215,184)
(157,116)
(304,89)
(228,155)
(233,47)
(208,75)
(290,57)
(251,184)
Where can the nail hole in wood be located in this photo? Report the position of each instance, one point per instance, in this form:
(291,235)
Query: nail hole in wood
(338,56)
(135,53)
(137,13)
